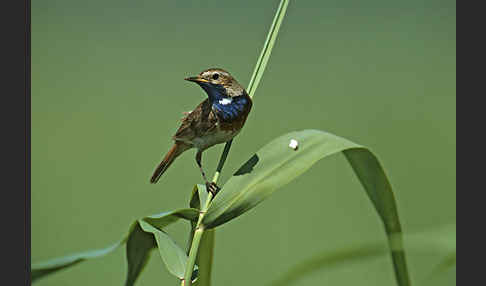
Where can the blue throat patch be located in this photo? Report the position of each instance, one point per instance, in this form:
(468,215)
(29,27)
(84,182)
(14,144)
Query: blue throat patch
(228,108)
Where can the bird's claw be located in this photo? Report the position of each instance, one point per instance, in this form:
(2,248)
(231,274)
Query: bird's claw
(212,188)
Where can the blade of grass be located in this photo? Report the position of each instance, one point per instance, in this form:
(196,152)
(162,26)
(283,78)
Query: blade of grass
(446,263)
(328,259)
(139,246)
(438,240)
(267,47)
(173,256)
(44,268)
(379,190)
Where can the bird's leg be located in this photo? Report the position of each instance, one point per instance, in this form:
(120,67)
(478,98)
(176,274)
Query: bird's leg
(198,161)
(210,186)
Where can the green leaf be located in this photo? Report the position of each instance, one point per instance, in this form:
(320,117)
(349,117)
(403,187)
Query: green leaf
(139,245)
(273,166)
(276,164)
(439,240)
(174,257)
(195,201)
(141,241)
(328,260)
(164,219)
(44,268)
(267,47)
(199,196)
(446,263)
(375,182)
(202,194)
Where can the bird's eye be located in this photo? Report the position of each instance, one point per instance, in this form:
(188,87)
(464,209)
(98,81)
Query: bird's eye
(215,76)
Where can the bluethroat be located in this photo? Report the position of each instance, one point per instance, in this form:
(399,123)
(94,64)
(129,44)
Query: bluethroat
(216,120)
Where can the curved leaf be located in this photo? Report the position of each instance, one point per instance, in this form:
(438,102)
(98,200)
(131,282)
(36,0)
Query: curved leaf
(446,263)
(174,257)
(328,259)
(276,164)
(44,268)
(435,241)
(273,166)
(141,239)
(164,219)
(139,243)
(195,201)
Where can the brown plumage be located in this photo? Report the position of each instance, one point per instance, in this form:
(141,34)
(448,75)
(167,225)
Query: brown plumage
(217,119)
(177,149)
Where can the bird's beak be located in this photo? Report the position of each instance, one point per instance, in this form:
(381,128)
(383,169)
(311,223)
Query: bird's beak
(196,79)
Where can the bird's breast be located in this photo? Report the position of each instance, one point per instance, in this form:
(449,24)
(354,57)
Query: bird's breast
(230,114)
(229,109)
(218,136)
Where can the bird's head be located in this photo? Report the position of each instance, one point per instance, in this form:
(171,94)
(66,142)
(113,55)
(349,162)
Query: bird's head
(218,84)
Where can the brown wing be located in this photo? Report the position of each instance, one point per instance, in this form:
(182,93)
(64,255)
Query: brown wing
(197,123)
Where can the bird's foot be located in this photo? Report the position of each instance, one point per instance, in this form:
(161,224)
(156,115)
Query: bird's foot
(212,188)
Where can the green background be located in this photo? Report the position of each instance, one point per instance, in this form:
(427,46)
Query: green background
(108,91)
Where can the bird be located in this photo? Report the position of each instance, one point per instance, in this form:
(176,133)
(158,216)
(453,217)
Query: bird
(216,120)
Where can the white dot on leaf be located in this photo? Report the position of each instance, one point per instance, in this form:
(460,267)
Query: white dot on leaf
(294,144)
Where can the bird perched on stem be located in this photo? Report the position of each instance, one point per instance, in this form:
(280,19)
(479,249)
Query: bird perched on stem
(216,120)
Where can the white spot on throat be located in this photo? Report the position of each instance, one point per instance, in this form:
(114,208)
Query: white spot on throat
(225,101)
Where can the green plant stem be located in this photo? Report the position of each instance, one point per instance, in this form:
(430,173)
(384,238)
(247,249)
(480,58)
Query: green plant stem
(196,240)
(198,233)
(192,256)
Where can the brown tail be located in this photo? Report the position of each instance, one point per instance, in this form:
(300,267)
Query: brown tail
(175,151)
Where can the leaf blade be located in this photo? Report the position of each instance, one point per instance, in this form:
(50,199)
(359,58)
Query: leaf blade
(375,182)
(276,167)
(41,269)
(139,245)
(174,257)
(277,164)
(138,251)
(267,47)
(328,259)
(166,218)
